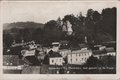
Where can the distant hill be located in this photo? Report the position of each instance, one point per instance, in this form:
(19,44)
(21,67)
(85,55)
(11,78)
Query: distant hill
(20,31)
(22,25)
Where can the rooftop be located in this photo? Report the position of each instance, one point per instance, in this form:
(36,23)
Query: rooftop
(54,54)
(99,52)
(33,60)
(83,45)
(64,47)
(64,42)
(111,49)
(80,51)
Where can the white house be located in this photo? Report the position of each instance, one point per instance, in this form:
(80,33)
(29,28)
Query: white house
(55,58)
(99,47)
(28,52)
(79,57)
(55,43)
(56,61)
(110,51)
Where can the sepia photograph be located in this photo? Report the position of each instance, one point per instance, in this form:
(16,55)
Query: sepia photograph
(59,37)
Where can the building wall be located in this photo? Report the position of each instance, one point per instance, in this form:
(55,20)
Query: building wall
(56,61)
(99,56)
(28,53)
(111,53)
(10,60)
(102,48)
(79,57)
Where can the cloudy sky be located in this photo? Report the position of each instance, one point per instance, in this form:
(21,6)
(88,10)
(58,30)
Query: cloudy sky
(44,11)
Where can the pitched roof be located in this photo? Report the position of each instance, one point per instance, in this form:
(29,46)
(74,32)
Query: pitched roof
(99,52)
(64,42)
(80,51)
(110,49)
(74,48)
(83,45)
(33,60)
(64,47)
(54,54)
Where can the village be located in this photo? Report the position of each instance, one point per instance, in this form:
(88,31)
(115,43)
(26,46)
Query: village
(57,58)
(74,44)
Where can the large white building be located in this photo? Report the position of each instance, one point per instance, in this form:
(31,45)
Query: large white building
(79,57)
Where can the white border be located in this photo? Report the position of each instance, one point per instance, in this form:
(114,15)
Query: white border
(63,76)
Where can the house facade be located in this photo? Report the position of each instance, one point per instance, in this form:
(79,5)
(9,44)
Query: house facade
(56,61)
(99,47)
(79,57)
(53,58)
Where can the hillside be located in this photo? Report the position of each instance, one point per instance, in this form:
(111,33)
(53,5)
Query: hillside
(22,25)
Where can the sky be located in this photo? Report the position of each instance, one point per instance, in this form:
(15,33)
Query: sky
(42,12)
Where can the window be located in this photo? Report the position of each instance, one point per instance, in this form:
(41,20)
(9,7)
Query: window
(60,60)
(82,58)
(71,55)
(76,59)
(56,60)
(88,53)
(71,60)
(52,61)
(79,54)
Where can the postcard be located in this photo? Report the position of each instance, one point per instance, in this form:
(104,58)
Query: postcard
(61,40)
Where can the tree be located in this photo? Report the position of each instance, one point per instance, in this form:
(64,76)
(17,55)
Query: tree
(7,40)
(93,62)
(109,61)
(38,35)
(109,21)
(96,16)
(90,13)
(52,32)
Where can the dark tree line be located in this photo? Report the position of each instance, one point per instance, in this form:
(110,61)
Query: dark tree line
(98,27)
